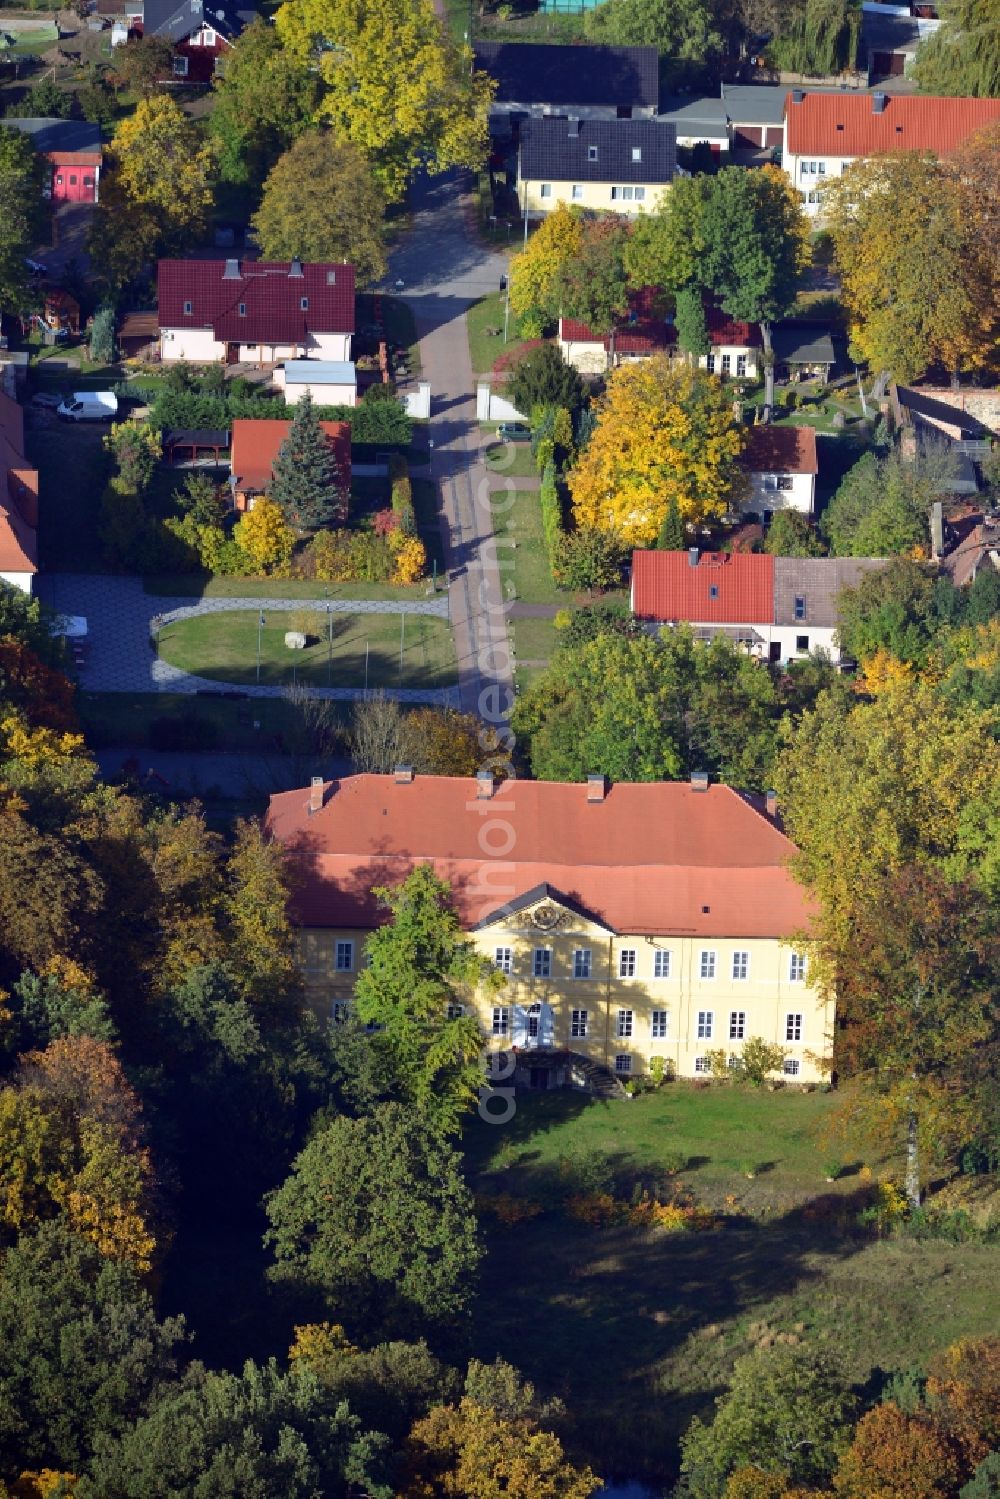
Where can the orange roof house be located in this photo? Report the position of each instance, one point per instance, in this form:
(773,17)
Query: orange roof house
(710,588)
(18,501)
(256,444)
(849,125)
(656,858)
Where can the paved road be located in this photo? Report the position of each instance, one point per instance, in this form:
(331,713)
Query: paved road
(444,268)
(120,624)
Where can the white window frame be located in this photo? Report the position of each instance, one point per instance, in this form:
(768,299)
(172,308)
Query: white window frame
(791,1067)
(727,364)
(582,962)
(640,195)
(705,1025)
(188,308)
(503,959)
(545,189)
(741,965)
(797,963)
(741,365)
(624,1024)
(636,153)
(702,1064)
(737,1025)
(627,962)
(793,1025)
(576,192)
(707,965)
(501,1020)
(662,963)
(339,1011)
(710,363)
(179,67)
(346,948)
(659,1024)
(455,1011)
(579,1021)
(591,153)
(541,963)
(623,1063)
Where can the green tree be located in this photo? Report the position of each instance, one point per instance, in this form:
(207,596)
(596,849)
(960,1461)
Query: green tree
(985,1482)
(666,246)
(102,335)
(321,202)
(44,99)
(891,610)
(818,37)
(756,248)
(81,1351)
(791,535)
(963,56)
(787,1410)
(261,102)
(420,969)
(306,485)
(45,1007)
(588,559)
(262,1432)
(689,320)
(683,33)
(21,173)
(541,377)
(672,537)
(394,83)
(882,505)
(97,98)
(377,1217)
(144,64)
(388,1387)
(592,286)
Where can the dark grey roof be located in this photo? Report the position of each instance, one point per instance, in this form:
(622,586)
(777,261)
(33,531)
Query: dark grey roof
(197,437)
(889,33)
(58,135)
(818,580)
(764,103)
(177,19)
(701,112)
(802,343)
(561,150)
(564,77)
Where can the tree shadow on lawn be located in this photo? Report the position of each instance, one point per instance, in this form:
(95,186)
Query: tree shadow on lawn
(597,1315)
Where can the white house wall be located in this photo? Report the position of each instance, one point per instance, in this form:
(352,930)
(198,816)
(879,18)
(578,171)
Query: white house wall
(200,346)
(590,357)
(322,395)
(801,496)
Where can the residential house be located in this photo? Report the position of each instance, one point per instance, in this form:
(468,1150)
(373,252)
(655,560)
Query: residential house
(618,166)
(802,351)
(782,465)
(255,312)
(631,922)
(779,609)
(755,113)
(255,446)
(72,149)
(890,37)
(328,382)
(824,133)
(596,83)
(647,330)
(18,501)
(697,121)
(200,32)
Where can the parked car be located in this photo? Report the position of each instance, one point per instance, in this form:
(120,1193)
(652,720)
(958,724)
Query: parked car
(514,432)
(89,406)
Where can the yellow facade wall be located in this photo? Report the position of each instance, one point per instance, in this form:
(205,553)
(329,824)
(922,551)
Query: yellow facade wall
(595,196)
(680,1001)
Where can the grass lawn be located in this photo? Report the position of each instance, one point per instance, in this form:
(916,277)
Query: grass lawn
(637,1330)
(511,459)
(485,348)
(224,648)
(534,639)
(194,586)
(530,573)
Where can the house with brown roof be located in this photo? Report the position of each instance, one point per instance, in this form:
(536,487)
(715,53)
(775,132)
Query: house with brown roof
(630,922)
(257,443)
(779,609)
(18,501)
(781,465)
(824,133)
(649,330)
(254,312)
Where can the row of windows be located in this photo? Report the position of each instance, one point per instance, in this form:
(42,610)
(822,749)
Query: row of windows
(812,168)
(791,1066)
(242,306)
(723,364)
(624,194)
(581,963)
(659,1022)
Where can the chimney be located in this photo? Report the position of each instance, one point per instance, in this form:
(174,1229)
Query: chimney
(232,271)
(597,788)
(699,780)
(484,785)
(403,775)
(693,556)
(798,94)
(315,794)
(771,804)
(879,101)
(295,272)
(937,531)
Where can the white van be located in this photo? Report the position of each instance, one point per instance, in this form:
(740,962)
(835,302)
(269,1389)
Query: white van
(89,406)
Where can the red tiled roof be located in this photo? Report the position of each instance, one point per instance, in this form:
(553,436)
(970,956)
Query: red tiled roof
(909,122)
(656,858)
(256,443)
(721,588)
(645,332)
(272,298)
(18,494)
(780,450)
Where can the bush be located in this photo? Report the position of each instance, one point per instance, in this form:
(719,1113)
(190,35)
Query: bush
(183,732)
(348,557)
(552,521)
(402,494)
(588,559)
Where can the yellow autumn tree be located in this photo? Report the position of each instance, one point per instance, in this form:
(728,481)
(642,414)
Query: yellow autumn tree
(535,272)
(265,535)
(468,1452)
(394,83)
(37,748)
(409,557)
(664,433)
(916,263)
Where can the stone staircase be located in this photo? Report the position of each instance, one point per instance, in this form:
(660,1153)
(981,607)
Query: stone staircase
(584,1072)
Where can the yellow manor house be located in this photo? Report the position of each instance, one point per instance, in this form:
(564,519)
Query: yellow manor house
(632,922)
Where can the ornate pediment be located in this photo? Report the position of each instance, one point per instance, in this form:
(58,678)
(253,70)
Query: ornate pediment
(541,911)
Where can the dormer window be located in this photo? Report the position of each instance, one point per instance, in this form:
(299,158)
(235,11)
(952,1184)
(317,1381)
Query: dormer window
(304,304)
(243,309)
(331,278)
(800,606)
(188,309)
(591,153)
(713,590)
(636,153)
(840,127)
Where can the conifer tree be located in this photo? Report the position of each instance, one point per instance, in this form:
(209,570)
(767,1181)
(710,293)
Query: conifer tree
(671,537)
(306,484)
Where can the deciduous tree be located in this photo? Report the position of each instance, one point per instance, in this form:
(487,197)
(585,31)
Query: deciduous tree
(21,174)
(535,273)
(467,1452)
(896,1456)
(394,83)
(321,202)
(261,102)
(144,64)
(377,1217)
(265,535)
(592,286)
(685,33)
(666,246)
(963,56)
(791,535)
(662,432)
